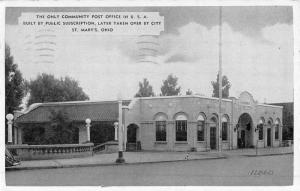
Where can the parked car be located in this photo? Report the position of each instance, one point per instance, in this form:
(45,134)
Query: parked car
(10,160)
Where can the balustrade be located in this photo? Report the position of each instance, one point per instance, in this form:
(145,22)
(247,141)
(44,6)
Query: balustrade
(38,152)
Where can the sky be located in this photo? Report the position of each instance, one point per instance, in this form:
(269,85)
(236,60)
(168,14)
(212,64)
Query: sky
(257,53)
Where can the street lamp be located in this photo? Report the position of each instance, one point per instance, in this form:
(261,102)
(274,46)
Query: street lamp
(260,122)
(237,126)
(116,130)
(9,118)
(88,125)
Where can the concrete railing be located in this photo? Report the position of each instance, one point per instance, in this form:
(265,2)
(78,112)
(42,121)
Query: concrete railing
(44,152)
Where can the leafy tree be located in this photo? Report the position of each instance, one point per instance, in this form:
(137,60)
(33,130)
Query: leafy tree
(189,92)
(46,88)
(34,134)
(169,87)
(102,132)
(145,89)
(287,133)
(14,84)
(64,130)
(225,87)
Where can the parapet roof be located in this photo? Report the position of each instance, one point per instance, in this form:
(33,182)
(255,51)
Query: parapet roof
(104,110)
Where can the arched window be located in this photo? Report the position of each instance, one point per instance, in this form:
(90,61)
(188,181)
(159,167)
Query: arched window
(224,128)
(277,123)
(160,126)
(261,129)
(200,128)
(213,121)
(181,127)
(270,122)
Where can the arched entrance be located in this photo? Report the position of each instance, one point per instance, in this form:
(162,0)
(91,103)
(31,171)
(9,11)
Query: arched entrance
(132,143)
(245,131)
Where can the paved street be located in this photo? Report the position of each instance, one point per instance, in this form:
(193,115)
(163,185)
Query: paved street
(237,170)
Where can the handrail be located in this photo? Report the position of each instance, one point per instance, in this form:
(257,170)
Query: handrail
(104,146)
(99,148)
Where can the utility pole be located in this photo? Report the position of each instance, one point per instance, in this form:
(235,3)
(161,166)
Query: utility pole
(219,134)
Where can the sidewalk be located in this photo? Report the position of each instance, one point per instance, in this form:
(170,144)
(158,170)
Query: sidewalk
(109,159)
(145,157)
(259,152)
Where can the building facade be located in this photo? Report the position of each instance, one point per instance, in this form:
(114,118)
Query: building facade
(183,123)
(176,123)
(287,120)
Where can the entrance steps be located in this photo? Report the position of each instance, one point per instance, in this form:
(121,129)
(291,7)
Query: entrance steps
(133,146)
(107,147)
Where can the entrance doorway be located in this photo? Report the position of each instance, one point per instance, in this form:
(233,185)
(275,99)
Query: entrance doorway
(213,132)
(268,137)
(242,139)
(131,133)
(213,137)
(132,143)
(245,131)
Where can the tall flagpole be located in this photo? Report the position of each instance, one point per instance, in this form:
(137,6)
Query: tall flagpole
(120,158)
(220,82)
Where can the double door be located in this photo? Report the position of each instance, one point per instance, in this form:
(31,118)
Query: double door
(213,137)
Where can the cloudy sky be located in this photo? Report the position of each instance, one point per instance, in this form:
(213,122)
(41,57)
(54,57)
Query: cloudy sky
(257,53)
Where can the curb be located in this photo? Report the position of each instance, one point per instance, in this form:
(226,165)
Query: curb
(106,164)
(269,154)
